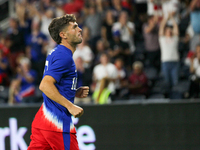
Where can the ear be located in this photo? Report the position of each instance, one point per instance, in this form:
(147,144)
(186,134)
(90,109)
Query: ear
(63,35)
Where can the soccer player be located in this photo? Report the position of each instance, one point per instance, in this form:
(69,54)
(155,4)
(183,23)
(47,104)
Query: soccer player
(52,127)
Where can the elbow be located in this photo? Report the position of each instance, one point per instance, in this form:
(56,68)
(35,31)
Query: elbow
(41,86)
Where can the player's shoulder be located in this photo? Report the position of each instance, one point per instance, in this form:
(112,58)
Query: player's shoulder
(58,53)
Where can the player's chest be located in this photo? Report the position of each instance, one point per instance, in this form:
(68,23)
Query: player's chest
(72,73)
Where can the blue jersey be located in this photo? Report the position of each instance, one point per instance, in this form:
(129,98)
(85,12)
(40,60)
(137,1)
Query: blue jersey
(26,88)
(53,116)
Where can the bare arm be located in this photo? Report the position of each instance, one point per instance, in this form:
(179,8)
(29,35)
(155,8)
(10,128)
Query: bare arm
(47,86)
(151,24)
(192,69)
(175,27)
(162,27)
(149,28)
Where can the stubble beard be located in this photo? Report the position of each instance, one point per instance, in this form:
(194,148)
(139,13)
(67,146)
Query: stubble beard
(77,41)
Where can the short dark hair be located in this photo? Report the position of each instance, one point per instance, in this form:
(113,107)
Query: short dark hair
(149,17)
(58,24)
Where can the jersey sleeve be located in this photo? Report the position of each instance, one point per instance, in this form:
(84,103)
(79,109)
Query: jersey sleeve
(57,66)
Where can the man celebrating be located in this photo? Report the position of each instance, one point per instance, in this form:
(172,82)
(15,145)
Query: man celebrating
(52,127)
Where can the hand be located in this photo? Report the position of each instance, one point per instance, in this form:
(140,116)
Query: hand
(76,111)
(82,92)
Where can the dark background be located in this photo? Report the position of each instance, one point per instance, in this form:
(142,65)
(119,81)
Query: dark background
(4,11)
(140,126)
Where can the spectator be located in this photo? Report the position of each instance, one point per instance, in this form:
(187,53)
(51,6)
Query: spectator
(86,54)
(195,71)
(3,69)
(24,85)
(119,64)
(84,78)
(195,23)
(86,35)
(150,33)
(102,95)
(105,70)
(171,7)
(17,43)
(168,39)
(119,49)
(36,42)
(101,34)
(117,8)
(138,82)
(101,48)
(106,29)
(121,90)
(44,19)
(95,16)
(195,15)
(126,29)
(25,14)
(4,44)
(35,51)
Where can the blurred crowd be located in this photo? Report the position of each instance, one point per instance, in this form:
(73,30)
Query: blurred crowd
(131,49)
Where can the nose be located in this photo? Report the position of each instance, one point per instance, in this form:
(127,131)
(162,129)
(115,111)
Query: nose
(80,30)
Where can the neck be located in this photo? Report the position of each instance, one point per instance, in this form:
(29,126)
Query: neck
(104,64)
(69,46)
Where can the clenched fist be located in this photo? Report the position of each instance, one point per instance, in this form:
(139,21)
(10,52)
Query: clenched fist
(76,111)
(82,92)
